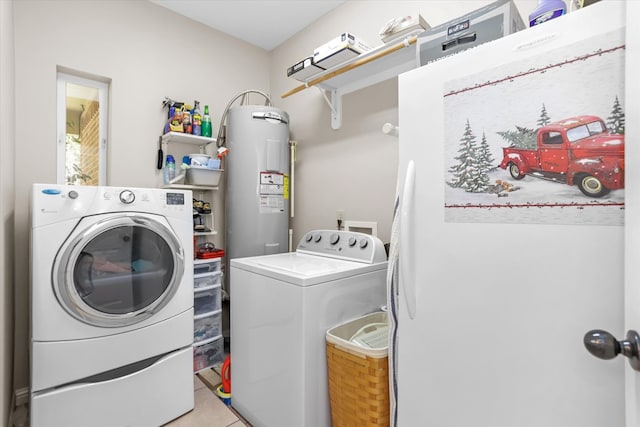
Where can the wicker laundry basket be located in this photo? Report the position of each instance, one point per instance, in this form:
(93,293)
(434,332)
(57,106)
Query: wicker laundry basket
(358,376)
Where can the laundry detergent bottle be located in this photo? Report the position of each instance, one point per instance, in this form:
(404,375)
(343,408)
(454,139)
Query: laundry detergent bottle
(546,10)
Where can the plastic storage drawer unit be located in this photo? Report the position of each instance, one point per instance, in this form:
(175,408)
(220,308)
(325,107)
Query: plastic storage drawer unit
(201,266)
(207,326)
(206,301)
(208,354)
(207,280)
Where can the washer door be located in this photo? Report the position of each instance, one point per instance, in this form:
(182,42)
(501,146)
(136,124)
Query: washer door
(119,270)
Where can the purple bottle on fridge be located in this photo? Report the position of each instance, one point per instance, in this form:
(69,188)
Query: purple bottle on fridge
(546,10)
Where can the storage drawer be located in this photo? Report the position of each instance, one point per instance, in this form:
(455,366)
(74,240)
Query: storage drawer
(206,301)
(201,266)
(206,327)
(209,354)
(207,280)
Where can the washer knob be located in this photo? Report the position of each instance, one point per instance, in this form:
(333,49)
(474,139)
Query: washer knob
(318,238)
(352,241)
(127,197)
(335,238)
(363,243)
(73,194)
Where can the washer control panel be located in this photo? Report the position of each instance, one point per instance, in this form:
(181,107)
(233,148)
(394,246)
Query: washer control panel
(53,203)
(346,245)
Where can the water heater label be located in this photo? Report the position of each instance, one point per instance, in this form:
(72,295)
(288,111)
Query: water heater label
(271,183)
(271,204)
(272,189)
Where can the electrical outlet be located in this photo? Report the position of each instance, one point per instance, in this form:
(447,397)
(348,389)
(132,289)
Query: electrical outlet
(340,215)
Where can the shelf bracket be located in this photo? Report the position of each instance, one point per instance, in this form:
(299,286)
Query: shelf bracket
(336,110)
(335,104)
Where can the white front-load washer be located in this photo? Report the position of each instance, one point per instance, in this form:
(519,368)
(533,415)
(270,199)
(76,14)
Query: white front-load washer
(111,305)
(281,307)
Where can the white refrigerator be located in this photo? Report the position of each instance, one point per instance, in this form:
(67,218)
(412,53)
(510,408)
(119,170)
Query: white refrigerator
(493,287)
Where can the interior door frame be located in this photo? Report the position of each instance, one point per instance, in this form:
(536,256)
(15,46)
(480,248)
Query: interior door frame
(632,204)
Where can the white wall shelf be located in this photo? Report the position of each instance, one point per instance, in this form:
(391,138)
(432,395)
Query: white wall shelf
(186,138)
(378,64)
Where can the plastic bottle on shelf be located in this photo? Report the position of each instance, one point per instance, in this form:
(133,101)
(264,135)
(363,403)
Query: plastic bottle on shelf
(186,121)
(169,172)
(546,10)
(206,122)
(196,121)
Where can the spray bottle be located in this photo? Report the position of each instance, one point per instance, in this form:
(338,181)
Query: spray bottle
(546,10)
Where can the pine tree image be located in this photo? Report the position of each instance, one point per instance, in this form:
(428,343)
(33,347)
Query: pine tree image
(485,158)
(615,121)
(520,138)
(544,117)
(468,173)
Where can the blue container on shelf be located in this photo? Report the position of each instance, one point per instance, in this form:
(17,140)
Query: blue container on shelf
(546,10)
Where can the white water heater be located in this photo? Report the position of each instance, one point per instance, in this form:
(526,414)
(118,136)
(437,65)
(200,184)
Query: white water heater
(257,196)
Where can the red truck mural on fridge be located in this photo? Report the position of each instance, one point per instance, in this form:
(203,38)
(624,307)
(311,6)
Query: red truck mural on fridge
(576,151)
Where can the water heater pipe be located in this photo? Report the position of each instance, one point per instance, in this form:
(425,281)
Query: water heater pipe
(293,145)
(290,240)
(292,172)
(220,140)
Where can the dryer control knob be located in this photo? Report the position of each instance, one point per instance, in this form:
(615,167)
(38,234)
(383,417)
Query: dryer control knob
(127,197)
(73,194)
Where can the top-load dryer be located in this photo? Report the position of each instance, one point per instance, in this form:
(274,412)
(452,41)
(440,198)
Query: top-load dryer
(111,305)
(281,307)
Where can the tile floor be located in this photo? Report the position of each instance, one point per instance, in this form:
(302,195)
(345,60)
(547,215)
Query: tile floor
(209,410)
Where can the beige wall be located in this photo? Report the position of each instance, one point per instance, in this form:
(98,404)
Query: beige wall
(354,168)
(6,207)
(148,52)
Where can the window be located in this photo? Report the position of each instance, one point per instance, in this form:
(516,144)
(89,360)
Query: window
(552,138)
(82,130)
(584,131)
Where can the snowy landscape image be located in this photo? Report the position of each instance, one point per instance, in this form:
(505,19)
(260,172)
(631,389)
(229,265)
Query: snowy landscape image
(505,107)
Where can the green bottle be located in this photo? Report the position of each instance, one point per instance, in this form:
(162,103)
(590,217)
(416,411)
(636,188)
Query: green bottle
(206,122)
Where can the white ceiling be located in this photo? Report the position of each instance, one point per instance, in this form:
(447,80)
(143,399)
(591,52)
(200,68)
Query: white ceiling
(263,23)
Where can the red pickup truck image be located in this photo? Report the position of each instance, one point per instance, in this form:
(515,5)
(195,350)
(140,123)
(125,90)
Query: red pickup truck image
(575,151)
